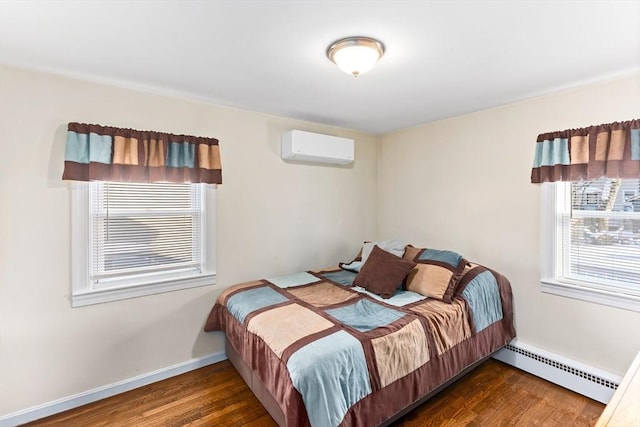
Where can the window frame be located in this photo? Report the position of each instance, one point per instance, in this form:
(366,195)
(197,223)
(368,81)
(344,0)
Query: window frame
(551,283)
(83,291)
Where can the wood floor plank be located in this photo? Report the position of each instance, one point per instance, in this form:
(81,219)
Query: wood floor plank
(494,394)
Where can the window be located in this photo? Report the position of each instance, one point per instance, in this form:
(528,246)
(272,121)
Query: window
(591,241)
(132,239)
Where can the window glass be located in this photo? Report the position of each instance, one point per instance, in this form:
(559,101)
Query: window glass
(133,239)
(599,235)
(143,229)
(591,241)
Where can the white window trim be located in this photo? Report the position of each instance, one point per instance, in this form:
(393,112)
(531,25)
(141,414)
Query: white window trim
(82,291)
(549,257)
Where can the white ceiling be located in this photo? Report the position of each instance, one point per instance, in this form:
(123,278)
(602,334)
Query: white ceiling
(443,58)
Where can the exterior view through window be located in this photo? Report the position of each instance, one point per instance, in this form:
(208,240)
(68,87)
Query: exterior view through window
(600,234)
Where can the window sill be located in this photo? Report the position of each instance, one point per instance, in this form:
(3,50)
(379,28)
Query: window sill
(627,302)
(99,296)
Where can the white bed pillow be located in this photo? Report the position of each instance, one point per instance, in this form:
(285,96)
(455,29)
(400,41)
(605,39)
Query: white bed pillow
(395,247)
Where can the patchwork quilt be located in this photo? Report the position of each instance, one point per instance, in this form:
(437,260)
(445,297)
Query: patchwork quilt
(335,355)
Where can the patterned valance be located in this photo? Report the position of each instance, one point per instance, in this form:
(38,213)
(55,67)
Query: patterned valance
(609,150)
(102,153)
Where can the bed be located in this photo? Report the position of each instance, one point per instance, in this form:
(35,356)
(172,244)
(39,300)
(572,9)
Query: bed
(324,348)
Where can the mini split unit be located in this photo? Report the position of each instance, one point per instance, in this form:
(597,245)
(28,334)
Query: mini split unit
(301,146)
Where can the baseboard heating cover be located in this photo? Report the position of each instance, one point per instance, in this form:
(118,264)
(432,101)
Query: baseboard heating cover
(575,376)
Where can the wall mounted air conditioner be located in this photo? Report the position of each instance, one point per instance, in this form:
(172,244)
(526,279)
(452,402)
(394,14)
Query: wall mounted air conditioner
(301,146)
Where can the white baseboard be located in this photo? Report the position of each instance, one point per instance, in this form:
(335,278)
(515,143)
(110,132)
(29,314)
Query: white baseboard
(70,402)
(586,380)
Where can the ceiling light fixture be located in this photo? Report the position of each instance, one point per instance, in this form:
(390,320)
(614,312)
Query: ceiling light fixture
(355,55)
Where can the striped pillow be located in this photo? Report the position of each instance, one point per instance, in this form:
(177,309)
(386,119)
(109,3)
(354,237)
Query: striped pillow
(436,274)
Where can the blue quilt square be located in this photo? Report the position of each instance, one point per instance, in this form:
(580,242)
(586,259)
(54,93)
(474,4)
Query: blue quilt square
(243,303)
(365,315)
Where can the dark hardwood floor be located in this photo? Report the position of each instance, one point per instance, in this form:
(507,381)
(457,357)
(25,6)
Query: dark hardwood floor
(494,394)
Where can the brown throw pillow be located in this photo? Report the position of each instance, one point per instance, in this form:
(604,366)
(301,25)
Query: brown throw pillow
(383,272)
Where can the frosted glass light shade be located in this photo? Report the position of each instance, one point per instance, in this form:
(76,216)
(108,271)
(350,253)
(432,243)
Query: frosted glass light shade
(355,55)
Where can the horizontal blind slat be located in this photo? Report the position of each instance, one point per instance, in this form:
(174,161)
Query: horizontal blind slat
(144,228)
(600,234)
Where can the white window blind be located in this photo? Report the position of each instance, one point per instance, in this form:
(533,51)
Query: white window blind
(599,234)
(144,231)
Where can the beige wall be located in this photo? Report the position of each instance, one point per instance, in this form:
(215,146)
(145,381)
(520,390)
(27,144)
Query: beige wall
(463,184)
(273,218)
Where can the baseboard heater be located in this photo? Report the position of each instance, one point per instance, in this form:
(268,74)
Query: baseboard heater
(575,376)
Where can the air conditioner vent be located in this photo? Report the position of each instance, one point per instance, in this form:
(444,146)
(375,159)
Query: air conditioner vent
(301,146)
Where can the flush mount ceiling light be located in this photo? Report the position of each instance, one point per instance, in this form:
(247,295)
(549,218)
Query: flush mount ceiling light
(355,55)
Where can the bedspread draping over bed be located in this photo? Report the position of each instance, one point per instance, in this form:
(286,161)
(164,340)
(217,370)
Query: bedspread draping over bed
(329,352)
